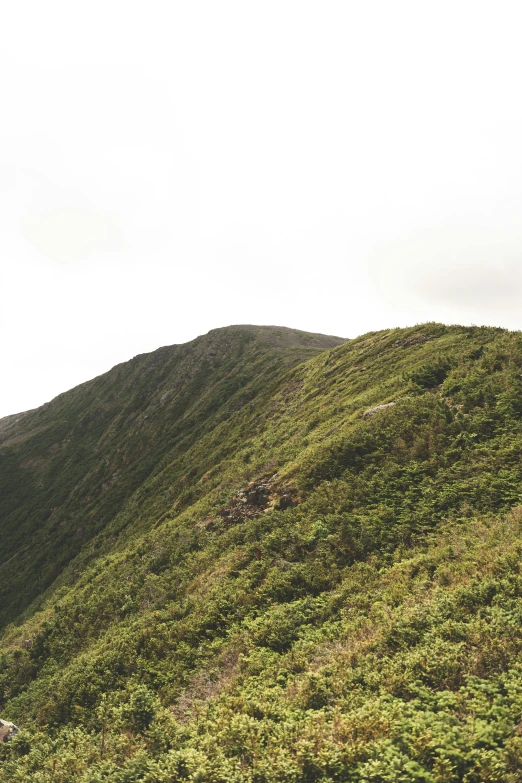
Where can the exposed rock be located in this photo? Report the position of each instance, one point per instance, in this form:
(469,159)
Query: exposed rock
(256,498)
(372,411)
(248,503)
(7,731)
(258,495)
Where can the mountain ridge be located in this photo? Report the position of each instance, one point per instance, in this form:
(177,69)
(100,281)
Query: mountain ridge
(325,341)
(146,388)
(275,586)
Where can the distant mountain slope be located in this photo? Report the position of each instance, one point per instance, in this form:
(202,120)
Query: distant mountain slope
(67,468)
(268,557)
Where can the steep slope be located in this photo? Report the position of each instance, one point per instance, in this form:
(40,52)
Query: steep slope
(322,584)
(68,468)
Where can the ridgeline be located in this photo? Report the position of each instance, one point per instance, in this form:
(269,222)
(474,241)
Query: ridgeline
(268,556)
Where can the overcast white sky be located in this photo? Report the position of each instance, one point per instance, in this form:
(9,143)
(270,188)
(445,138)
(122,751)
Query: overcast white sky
(171,167)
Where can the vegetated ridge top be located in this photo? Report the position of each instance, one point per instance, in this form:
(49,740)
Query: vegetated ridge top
(260,557)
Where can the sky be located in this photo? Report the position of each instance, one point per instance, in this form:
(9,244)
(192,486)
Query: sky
(167,168)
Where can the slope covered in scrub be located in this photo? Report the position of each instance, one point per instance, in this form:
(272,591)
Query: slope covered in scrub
(68,468)
(276,579)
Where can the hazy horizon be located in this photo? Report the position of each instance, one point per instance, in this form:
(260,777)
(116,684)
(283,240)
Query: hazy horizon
(336,168)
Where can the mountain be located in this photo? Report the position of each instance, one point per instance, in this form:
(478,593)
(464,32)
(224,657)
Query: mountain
(268,555)
(69,468)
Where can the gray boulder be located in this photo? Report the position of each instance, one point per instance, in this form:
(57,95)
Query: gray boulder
(373,411)
(7,731)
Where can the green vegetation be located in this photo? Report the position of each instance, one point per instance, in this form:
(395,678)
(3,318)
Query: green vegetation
(216,568)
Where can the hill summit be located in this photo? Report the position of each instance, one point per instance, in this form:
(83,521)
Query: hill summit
(266,556)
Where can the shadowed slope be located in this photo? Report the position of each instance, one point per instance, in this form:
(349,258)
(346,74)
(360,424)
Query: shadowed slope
(67,468)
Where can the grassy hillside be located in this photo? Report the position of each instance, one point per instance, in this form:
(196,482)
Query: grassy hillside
(68,468)
(226,561)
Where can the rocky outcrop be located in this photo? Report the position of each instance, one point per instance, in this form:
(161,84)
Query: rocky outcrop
(372,411)
(7,731)
(247,504)
(256,498)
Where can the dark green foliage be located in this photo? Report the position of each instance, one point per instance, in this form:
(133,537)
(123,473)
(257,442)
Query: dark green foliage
(368,628)
(430,374)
